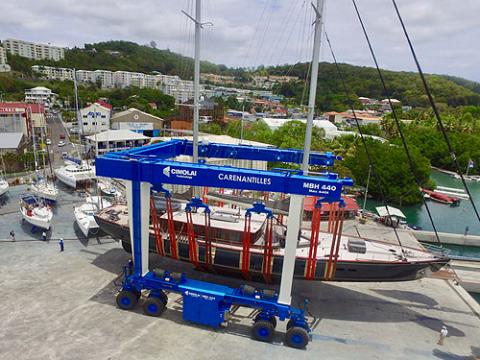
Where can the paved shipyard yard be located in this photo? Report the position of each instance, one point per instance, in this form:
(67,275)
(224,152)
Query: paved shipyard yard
(62,306)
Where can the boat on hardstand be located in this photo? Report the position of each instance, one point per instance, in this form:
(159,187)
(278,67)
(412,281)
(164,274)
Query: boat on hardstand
(358,260)
(74,175)
(3,186)
(84,214)
(45,189)
(35,212)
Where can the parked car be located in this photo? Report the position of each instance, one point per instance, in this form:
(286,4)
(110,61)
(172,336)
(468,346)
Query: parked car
(48,142)
(62,136)
(61,143)
(64,154)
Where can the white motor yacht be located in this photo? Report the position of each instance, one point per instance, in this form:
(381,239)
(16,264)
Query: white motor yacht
(75,174)
(35,212)
(108,188)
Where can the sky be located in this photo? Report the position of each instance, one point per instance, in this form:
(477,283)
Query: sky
(248,33)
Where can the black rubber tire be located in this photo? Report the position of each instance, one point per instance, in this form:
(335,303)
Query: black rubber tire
(164,298)
(263,331)
(272,319)
(127,246)
(127,300)
(297,337)
(153,306)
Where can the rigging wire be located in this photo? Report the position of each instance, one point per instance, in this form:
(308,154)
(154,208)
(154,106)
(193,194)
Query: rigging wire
(394,113)
(435,109)
(364,142)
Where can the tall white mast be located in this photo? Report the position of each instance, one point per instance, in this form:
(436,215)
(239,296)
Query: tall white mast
(34,143)
(196,79)
(77,112)
(296,201)
(313,83)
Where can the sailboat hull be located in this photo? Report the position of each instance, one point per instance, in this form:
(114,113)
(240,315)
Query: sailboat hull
(227,260)
(3,187)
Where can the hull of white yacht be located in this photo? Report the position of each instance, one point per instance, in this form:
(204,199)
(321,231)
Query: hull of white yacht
(3,187)
(40,218)
(47,192)
(86,223)
(379,262)
(71,176)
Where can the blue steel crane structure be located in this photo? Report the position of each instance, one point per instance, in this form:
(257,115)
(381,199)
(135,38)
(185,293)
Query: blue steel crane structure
(151,167)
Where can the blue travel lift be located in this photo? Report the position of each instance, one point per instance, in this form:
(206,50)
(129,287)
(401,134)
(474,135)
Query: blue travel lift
(206,303)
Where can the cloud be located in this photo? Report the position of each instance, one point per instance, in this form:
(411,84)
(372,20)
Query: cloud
(254,32)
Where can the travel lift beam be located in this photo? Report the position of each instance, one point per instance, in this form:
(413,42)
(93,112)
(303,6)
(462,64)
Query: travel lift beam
(203,302)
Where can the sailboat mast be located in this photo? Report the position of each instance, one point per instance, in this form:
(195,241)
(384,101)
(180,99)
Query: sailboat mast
(77,112)
(295,210)
(34,143)
(313,83)
(196,79)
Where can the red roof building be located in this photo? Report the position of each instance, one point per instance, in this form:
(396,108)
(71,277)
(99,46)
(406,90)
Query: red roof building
(104,104)
(351,206)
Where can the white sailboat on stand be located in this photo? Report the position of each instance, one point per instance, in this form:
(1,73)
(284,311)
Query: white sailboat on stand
(76,173)
(33,208)
(35,212)
(3,183)
(85,213)
(44,188)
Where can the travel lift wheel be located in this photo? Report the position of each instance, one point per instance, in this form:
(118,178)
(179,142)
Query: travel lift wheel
(153,306)
(296,337)
(263,330)
(127,300)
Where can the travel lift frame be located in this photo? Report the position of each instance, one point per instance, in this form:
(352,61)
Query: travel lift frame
(203,302)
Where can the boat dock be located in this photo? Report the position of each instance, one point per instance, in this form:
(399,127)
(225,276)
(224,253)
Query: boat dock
(446,238)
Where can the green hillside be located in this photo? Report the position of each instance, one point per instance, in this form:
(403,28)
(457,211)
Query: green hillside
(364,81)
(361,81)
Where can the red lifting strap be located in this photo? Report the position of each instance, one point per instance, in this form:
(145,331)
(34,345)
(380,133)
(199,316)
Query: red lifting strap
(268,252)
(246,247)
(311,263)
(339,237)
(204,196)
(208,241)
(171,229)
(192,241)
(156,228)
(335,246)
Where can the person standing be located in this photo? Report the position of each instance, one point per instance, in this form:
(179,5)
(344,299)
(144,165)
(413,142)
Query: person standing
(44,236)
(62,245)
(12,234)
(443,335)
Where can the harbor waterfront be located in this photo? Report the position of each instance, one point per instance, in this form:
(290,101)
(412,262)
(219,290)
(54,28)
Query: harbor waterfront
(448,219)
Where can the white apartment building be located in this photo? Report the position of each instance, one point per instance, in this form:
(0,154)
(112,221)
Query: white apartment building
(122,79)
(95,118)
(4,67)
(53,73)
(86,76)
(34,51)
(40,95)
(181,90)
(106,78)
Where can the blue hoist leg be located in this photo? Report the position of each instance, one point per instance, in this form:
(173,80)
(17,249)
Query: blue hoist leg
(293,229)
(138,199)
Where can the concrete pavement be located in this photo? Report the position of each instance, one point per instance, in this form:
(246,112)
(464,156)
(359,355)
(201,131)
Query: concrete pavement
(62,306)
